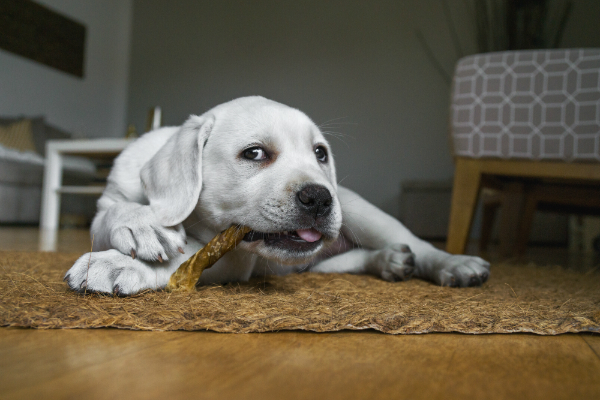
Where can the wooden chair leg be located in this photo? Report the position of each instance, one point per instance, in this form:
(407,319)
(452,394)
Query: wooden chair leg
(531,203)
(487,223)
(465,192)
(512,206)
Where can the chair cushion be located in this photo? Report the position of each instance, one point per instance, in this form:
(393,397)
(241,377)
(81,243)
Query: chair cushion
(534,104)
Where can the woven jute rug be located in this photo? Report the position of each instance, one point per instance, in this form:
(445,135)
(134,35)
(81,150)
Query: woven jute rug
(517,298)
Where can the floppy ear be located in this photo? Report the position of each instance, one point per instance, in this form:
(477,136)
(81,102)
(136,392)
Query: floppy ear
(172,179)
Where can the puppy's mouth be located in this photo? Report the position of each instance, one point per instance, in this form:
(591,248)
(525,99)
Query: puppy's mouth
(301,240)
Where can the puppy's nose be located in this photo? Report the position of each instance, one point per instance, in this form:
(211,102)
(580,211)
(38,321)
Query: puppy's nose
(315,200)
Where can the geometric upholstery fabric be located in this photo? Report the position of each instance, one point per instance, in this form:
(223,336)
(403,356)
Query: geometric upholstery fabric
(533,104)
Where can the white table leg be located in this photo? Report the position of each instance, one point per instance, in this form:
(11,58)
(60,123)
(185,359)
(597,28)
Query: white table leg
(50,212)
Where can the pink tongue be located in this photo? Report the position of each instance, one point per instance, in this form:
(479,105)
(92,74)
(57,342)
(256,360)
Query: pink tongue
(309,235)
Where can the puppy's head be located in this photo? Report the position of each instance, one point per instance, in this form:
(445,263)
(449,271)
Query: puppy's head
(261,164)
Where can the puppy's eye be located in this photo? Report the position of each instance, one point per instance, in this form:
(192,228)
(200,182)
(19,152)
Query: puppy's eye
(255,153)
(321,153)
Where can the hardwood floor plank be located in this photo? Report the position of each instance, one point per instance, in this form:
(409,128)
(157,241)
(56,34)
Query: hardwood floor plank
(275,365)
(592,340)
(49,354)
(27,239)
(521,366)
(293,365)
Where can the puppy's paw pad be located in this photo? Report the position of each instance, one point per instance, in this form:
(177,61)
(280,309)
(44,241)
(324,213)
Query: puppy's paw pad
(463,271)
(139,234)
(129,281)
(395,263)
(109,272)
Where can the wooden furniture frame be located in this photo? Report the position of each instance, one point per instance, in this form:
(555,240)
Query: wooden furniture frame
(470,174)
(53,188)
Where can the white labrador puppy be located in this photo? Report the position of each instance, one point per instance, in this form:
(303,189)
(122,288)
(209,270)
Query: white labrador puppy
(258,163)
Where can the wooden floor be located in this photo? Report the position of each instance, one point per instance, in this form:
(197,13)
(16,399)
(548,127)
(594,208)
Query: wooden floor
(110,363)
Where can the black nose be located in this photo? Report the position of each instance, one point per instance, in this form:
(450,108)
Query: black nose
(314,200)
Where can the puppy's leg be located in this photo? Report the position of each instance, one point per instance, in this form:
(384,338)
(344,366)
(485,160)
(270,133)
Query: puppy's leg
(133,229)
(113,272)
(392,263)
(371,228)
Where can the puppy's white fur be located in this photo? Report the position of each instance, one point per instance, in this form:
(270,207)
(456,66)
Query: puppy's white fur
(175,188)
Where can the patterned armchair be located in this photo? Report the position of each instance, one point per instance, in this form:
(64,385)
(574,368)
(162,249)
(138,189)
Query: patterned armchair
(526,123)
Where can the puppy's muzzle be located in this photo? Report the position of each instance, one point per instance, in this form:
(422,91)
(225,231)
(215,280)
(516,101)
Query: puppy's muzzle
(314,200)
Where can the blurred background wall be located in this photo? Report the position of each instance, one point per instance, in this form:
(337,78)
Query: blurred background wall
(358,67)
(356,64)
(92,106)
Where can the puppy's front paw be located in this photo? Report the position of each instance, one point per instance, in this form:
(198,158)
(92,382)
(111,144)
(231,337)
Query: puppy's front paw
(394,263)
(461,271)
(112,272)
(139,234)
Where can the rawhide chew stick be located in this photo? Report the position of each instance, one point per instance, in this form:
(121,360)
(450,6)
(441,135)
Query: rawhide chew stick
(188,273)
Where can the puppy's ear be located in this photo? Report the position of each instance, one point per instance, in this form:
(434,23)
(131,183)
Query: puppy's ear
(172,179)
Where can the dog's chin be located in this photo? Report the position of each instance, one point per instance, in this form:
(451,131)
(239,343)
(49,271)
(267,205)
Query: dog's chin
(285,247)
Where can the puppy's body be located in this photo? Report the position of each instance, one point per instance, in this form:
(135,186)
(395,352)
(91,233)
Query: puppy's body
(257,163)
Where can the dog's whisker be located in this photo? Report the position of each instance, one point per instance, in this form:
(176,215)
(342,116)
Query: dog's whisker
(342,180)
(336,121)
(336,133)
(338,137)
(355,239)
